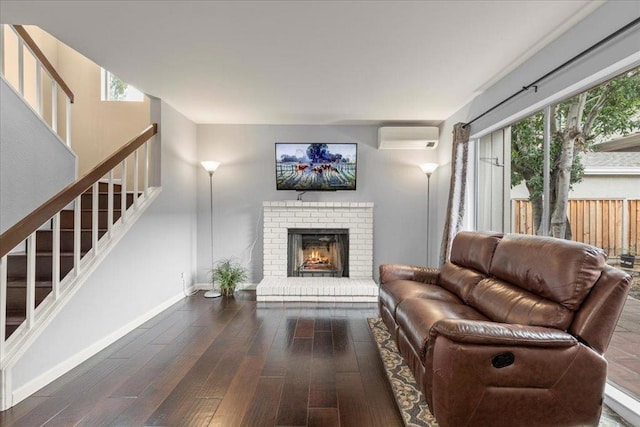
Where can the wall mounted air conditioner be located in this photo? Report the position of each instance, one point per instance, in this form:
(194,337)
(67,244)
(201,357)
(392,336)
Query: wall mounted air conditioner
(407,137)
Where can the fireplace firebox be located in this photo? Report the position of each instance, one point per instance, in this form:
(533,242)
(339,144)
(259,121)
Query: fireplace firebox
(318,252)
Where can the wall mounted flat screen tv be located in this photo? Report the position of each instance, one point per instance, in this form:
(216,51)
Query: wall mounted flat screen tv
(316,166)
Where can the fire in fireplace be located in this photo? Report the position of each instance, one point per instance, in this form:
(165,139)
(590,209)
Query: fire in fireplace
(318,253)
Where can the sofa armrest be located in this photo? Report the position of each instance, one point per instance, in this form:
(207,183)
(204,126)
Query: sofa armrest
(492,333)
(389,272)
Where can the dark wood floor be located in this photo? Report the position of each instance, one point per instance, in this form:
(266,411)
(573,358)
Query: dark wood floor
(224,363)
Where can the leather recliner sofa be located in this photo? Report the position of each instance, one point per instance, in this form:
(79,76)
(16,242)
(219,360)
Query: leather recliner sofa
(510,332)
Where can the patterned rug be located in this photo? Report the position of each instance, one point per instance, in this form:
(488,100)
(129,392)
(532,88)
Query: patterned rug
(409,398)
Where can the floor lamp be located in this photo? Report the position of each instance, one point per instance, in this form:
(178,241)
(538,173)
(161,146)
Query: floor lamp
(210,166)
(428,169)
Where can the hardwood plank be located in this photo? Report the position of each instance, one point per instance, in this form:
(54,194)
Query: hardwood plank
(52,406)
(352,401)
(235,402)
(200,413)
(292,410)
(266,397)
(381,402)
(345,357)
(12,415)
(211,374)
(278,356)
(85,402)
(304,328)
(323,417)
(156,390)
(322,387)
(322,324)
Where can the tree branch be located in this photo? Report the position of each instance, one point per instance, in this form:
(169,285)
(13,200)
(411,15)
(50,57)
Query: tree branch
(593,113)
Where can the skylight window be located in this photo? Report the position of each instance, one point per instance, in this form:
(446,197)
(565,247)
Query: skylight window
(114,89)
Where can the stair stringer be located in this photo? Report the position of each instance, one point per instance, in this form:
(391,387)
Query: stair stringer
(20,341)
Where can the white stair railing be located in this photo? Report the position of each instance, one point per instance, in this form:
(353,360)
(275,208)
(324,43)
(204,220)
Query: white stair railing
(25,43)
(48,216)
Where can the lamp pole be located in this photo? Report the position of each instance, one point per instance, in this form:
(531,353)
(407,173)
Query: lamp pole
(428,169)
(210,167)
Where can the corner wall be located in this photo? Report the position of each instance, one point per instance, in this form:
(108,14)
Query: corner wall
(34,163)
(390,179)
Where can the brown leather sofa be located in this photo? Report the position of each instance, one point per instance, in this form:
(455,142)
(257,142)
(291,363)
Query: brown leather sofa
(510,332)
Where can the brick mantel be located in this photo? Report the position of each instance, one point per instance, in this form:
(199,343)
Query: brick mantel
(357,217)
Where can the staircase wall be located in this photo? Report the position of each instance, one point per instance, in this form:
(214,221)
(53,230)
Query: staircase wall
(34,163)
(139,278)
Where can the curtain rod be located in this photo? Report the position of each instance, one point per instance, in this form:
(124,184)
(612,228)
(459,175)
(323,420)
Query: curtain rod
(534,84)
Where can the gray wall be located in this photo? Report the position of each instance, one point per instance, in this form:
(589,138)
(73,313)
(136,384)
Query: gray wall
(34,163)
(390,179)
(142,272)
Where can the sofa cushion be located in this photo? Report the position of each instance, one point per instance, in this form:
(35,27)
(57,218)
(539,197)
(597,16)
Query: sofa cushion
(559,270)
(506,303)
(416,316)
(474,249)
(396,291)
(459,280)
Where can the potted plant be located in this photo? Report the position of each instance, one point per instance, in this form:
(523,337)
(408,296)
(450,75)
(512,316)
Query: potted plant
(227,274)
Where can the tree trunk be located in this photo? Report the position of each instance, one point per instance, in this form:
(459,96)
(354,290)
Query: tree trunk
(571,137)
(536,208)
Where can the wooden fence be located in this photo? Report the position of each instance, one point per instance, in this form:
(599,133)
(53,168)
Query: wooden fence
(610,224)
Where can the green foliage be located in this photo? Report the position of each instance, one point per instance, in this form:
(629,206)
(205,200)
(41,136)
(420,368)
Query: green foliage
(117,88)
(610,110)
(227,274)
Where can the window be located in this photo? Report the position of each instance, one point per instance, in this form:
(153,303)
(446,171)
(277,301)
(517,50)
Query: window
(580,184)
(114,89)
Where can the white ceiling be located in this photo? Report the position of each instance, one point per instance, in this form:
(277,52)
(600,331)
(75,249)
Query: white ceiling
(306,62)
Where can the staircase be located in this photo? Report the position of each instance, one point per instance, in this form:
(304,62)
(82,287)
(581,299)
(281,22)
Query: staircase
(17,261)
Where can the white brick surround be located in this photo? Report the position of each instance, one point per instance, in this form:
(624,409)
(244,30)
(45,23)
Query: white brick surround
(279,217)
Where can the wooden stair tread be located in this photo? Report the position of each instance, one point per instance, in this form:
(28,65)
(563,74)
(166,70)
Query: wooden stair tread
(14,283)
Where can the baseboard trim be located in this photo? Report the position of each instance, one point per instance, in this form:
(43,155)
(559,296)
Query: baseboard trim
(21,393)
(240,287)
(622,404)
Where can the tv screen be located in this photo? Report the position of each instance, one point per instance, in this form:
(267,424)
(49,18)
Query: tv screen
(316,166)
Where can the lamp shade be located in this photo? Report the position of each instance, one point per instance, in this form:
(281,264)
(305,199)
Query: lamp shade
(210,165)
(428,168)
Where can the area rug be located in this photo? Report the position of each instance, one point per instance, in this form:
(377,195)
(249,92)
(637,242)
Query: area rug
(411,403)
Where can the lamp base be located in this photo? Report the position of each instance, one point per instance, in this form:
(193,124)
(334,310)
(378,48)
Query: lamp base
(212,294)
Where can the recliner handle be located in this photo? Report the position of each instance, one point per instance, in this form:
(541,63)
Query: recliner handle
(503,360)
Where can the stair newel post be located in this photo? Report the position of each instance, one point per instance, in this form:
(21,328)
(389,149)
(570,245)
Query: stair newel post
(31,278)
(123,192)
(94,217)
(55,261)
(76,234)
(135,179)
(110,203)
(3,304)
(54,106)
(145,167)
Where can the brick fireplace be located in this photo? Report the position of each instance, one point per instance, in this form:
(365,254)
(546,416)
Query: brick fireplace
(356,218)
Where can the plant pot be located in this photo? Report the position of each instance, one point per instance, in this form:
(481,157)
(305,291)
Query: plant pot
(627,260)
